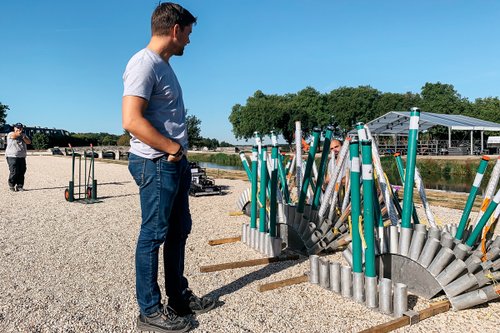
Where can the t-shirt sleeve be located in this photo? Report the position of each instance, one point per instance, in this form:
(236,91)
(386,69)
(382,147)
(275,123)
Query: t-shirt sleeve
(139,80)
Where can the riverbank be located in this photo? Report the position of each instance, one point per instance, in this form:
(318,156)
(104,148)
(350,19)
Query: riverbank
(68,267)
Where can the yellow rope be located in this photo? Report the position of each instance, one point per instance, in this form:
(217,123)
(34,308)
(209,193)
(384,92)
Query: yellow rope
(363,241)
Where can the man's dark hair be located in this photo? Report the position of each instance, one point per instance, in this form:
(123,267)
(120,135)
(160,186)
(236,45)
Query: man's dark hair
(168,14)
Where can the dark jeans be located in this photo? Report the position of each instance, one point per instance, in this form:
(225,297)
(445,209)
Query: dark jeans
(164,195)
(17,169)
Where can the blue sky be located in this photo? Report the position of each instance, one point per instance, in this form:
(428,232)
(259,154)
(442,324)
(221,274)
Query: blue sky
(61,62)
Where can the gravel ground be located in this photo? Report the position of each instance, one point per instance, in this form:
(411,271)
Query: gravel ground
(68,267)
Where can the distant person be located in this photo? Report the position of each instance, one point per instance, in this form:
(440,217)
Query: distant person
(153,113)
(15,152)
(335,147)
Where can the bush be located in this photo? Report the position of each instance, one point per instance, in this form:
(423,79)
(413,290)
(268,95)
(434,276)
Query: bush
(40,141)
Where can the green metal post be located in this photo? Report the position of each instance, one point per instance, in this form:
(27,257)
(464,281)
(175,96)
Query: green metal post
(71,187)
(472,196)
(401,170)
(360,127)
(482,222)
(410,168)
(274,187)
(263,186)
(322,166)
(368,214)
(282,175)
(307,174)
(253,207)
(244,161)
(93,195)
(357,263)
(376,207)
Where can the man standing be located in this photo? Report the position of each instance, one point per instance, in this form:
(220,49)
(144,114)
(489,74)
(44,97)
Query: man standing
(153,113)
(15,152)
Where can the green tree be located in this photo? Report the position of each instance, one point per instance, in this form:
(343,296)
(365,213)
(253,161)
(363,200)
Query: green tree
(124,139)
(40,141)
(397,102)
(488,108)
(351,105)
(443,98)
(194,130)
(3,113)
(109,140)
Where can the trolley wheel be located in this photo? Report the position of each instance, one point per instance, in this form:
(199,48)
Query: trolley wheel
(66,194)
(89,192)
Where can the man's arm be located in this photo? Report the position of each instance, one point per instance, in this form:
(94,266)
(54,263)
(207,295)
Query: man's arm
(133,121)
(17,133)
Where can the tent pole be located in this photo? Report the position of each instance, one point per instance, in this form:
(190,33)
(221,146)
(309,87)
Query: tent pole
(472,142)
(449,137)
(482,141)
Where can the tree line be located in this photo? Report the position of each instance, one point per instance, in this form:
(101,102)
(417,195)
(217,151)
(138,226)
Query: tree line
(43,141)
(348,105)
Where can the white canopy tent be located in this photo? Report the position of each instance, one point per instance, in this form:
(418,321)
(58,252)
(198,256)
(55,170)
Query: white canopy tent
(396,123)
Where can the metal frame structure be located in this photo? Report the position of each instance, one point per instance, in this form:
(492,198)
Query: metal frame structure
(395,123)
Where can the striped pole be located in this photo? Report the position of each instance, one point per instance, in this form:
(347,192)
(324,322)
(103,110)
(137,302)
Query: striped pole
(410,168)
(331,185)
(490,189)
(368,218)
(298,156)
(482,222)
(253,213)
(472,196)
(263,186)
(307,174)
(401,169)
(421,191)
(383,183)
(355,208)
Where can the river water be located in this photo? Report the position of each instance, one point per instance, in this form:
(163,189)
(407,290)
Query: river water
(431,181)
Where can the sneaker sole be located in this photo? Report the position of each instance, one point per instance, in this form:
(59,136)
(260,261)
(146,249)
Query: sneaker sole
(147,327)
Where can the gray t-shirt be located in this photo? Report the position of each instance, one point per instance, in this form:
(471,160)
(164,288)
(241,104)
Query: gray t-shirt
(148,76)
(15,147)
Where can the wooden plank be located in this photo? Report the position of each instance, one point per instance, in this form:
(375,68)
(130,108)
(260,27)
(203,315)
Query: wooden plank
(283,283)
(246,263)
(432,310)
(224,240)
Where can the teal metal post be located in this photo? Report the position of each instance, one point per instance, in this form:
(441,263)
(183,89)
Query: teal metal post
(282,176)
(244,161)
(263,186)
(284,183)
(360,127)
(482,222)
(274,186)
(307,174)
(93,191)
(401,170)
(322,166)
(472,196)
(253,207)
(377,212)
(71,187)
(357,263)
(368,214)
(410,168)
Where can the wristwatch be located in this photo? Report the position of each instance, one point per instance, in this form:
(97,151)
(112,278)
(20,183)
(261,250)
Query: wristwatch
(179,153)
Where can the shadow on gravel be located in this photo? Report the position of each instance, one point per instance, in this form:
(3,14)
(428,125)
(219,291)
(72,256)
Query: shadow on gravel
(119,196)
(260,274)
(60,187)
